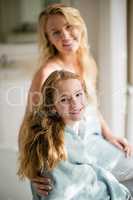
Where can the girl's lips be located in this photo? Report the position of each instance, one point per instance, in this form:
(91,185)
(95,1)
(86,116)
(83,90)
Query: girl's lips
(75,112)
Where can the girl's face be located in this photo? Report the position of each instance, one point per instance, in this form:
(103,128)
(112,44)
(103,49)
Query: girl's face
(65,37)
(70,100)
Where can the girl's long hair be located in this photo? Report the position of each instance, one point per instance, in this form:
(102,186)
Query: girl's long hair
(47,50)
(41,141)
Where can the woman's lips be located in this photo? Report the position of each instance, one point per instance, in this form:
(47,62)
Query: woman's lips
(67,45)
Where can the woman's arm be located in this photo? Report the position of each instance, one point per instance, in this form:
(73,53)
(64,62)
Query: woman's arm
(43,185)
(121,143)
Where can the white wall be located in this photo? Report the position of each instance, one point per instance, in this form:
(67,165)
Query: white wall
(130,74)
(113,63)
(129,127)
(130,41)
(11,188)
(14,84)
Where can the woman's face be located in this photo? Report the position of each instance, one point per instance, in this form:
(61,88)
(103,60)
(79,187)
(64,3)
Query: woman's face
(65,37)
(70,100)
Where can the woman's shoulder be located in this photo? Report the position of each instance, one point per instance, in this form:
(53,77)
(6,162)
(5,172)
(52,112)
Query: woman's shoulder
(43,72)
(47,68)
(50,66)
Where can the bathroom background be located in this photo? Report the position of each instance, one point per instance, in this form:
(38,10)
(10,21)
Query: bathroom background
(110,33)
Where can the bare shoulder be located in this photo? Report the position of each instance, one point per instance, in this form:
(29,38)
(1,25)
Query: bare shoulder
(51,66)
(42,74)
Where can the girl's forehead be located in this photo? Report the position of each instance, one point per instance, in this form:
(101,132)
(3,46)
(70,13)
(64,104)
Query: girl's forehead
(69,86)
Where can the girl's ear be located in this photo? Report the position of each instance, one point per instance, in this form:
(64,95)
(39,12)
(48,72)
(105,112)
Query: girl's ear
(53,112)
(54,115)
(53,109)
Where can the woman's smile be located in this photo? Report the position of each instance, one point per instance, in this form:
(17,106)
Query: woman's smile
(68,45)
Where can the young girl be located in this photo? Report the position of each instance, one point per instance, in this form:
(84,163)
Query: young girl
(51,143)
(64,45)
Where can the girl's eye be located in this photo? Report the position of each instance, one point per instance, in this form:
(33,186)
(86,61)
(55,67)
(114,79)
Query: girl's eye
(63,100)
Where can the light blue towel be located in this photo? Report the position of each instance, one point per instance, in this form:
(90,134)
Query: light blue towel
(104,153)
(80,178)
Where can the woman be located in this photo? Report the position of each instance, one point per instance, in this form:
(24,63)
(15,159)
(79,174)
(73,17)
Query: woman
(51,143)
(64,45)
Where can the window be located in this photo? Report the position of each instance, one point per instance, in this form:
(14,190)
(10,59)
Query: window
(18,19)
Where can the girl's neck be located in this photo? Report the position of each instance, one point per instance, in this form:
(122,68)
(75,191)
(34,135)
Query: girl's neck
(70,122)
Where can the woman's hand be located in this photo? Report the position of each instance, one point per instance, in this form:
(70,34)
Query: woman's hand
(122,144)
(43,185)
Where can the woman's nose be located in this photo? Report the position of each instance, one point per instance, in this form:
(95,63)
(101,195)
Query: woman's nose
(65,34)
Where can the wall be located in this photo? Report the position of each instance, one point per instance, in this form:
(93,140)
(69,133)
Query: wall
(15,79)
(130,74)
(112,59)
(130,41)
(90,12)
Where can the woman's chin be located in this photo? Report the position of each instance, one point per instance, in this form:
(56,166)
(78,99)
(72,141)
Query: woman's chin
(70,49)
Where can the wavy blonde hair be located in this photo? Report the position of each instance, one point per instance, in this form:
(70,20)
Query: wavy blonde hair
(47,50)
(41,144)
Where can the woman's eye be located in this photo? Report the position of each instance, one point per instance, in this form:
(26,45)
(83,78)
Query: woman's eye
(56,33)
(79,94)
(68,26)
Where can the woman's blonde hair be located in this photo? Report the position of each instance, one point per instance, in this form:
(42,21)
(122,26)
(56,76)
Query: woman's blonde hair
(41,144)
(47,50)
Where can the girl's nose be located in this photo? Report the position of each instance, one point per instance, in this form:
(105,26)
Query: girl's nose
(73,101)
